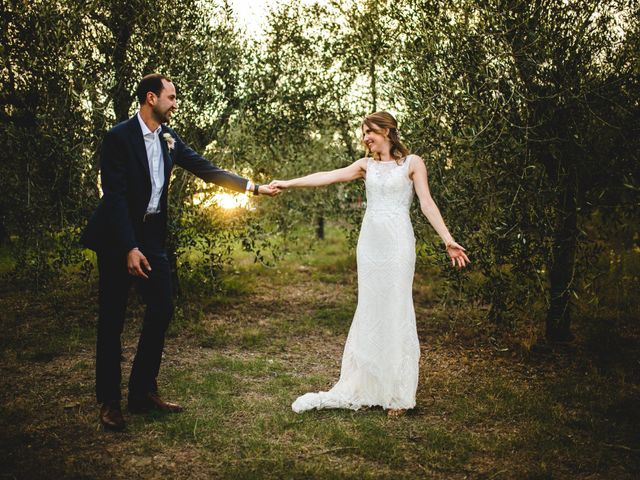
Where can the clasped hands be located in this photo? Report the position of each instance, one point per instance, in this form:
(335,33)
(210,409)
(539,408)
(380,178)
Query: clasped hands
(274,188)
(268,190)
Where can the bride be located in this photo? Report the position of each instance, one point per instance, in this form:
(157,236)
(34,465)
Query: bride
(381,354)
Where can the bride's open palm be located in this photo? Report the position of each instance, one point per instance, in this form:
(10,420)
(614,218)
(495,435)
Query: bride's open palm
(457,254)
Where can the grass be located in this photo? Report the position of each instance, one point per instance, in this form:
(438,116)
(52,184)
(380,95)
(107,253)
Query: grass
(238,360)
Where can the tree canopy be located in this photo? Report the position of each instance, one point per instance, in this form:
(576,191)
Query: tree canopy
(526,113)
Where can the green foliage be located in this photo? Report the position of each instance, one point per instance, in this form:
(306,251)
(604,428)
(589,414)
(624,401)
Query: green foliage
(526,113)
(517,108)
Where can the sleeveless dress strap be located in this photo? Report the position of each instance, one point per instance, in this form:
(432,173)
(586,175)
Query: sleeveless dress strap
(405,165)
(407,160)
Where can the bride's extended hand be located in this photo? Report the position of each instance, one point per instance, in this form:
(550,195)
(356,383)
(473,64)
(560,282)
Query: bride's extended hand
(280,184)
(457,255)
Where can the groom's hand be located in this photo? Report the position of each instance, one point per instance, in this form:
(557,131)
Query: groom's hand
(137,264)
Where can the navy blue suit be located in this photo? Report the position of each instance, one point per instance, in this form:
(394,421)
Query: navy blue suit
(119,225)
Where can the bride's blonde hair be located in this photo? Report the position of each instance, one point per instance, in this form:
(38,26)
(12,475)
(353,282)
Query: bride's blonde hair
(377,122)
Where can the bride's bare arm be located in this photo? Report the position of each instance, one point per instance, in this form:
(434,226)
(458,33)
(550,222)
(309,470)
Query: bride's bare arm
(319,179)
(418,172)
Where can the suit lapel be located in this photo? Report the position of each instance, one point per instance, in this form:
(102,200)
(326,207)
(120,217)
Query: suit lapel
(165,156)
(138,145)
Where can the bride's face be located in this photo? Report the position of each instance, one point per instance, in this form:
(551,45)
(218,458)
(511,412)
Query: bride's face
(375,138)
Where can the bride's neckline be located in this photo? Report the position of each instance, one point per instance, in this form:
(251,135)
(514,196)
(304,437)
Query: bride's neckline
(389,161)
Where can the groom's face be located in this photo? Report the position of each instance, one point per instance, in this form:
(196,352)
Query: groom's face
(166,103)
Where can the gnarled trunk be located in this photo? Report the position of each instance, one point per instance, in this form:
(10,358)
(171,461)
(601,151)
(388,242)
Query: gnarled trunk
(121,26)
(562,269)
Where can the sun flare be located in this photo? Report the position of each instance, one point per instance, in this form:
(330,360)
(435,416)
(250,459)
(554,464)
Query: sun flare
(231,200)
(228,201)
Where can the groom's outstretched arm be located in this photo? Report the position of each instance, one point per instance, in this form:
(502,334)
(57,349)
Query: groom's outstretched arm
(192,161)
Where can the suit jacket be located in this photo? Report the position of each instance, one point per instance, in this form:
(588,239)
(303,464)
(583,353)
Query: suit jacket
(116,224)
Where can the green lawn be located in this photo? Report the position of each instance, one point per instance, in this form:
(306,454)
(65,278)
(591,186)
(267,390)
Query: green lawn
(488,408)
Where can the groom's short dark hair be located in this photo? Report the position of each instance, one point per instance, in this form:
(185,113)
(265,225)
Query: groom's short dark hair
(150,83)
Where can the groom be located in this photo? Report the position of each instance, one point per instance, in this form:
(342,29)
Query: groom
(128,232)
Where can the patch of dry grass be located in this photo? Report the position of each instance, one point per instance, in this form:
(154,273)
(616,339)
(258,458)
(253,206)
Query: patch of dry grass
(488,406)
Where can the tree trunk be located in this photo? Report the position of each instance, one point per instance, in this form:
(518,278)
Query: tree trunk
(372,79)
(562,271)
(121,27)
(4,234)
(344,127)
(320,227)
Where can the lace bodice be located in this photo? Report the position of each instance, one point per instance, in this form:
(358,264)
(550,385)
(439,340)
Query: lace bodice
(388,186)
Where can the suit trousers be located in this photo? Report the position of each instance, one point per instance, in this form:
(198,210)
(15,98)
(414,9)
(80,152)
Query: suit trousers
(114,286)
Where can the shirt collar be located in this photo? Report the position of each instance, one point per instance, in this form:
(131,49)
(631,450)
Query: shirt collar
(145,129)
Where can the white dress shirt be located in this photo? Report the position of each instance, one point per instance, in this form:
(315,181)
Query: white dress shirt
(156,164)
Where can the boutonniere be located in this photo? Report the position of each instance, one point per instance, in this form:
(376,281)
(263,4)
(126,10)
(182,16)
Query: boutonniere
(171,142)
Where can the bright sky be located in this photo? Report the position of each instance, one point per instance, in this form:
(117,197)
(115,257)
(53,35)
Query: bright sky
(251,14)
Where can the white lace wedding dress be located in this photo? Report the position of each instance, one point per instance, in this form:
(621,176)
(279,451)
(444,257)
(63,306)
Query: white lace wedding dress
(380,360)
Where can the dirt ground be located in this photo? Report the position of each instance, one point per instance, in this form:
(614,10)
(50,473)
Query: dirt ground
(488,406)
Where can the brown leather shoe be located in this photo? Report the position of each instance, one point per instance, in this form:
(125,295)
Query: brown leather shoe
(151,401)
(111,416)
